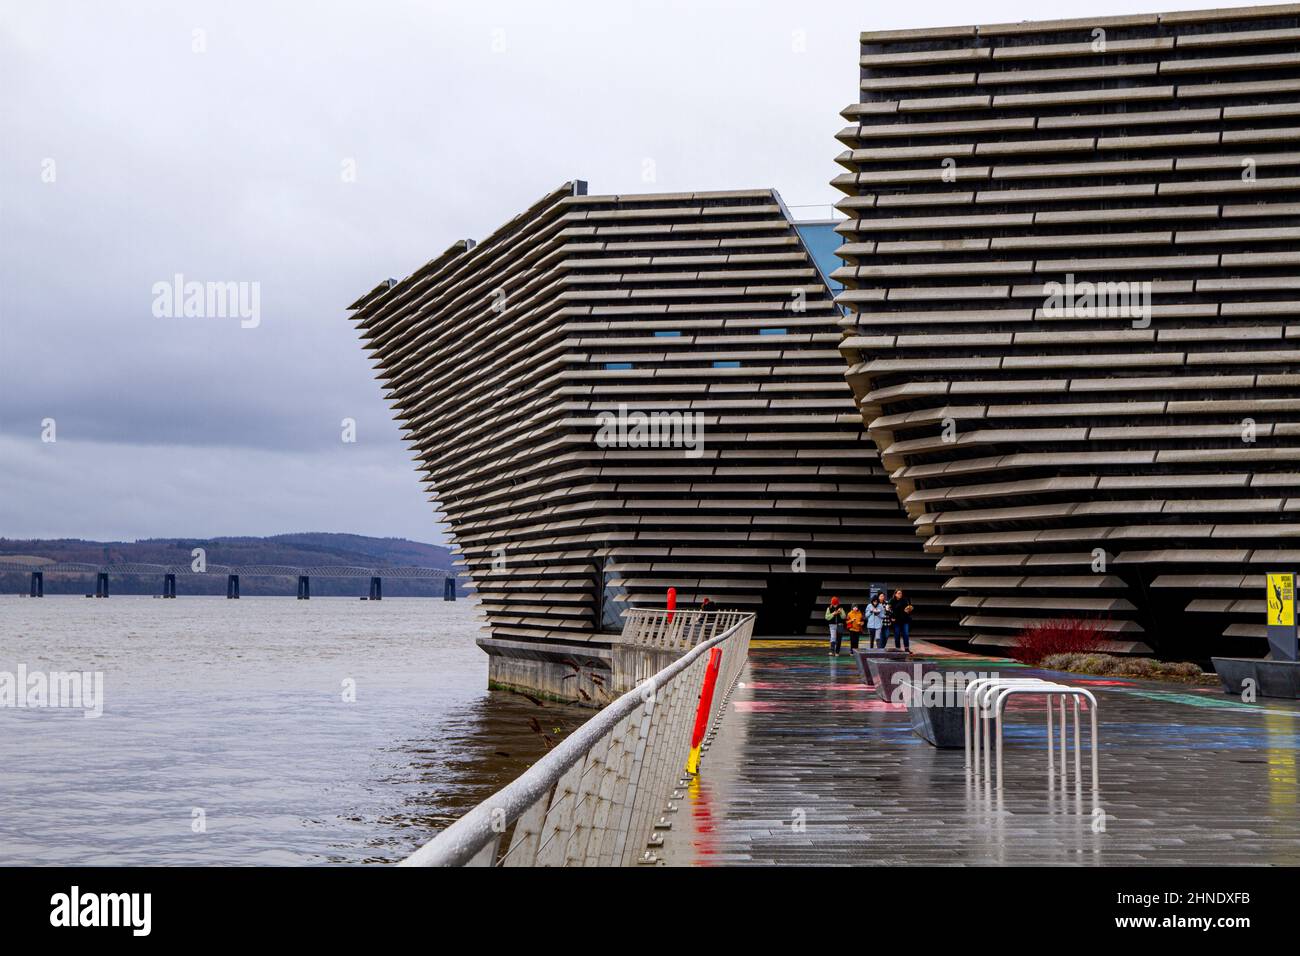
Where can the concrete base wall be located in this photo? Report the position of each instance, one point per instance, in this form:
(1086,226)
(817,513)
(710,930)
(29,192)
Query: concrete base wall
(632,665)
(1271,678)
(590,674)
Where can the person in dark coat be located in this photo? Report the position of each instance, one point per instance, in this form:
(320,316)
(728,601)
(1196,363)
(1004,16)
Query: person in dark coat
(900,612)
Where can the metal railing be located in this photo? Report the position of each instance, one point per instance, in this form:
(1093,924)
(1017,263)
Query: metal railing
(594,799)
(676,630)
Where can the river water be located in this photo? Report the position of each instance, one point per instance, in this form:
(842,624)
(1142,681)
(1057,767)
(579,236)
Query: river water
(260,731)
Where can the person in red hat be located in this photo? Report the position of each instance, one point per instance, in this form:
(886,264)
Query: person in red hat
(835,619)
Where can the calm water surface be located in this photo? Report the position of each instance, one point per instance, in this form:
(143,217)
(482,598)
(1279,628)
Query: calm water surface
(237,708)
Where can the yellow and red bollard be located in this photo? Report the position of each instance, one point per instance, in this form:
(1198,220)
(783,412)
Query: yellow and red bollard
(702,712)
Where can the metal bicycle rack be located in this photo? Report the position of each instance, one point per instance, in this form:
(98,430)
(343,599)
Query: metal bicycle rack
(984,701)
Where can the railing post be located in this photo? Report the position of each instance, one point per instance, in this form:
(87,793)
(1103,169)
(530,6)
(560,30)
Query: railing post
(610,794)
(559,818)
(488,855)
(584,808)
(528,832)
(646,714)
(652,789)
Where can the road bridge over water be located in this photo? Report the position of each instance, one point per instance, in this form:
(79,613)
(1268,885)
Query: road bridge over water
(233,573)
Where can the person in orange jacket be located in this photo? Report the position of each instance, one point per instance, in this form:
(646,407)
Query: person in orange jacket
(853,624)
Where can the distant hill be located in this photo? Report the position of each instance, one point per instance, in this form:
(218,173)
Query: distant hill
(304,549)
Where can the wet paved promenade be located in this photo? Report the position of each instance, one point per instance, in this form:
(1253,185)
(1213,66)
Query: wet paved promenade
(810,767)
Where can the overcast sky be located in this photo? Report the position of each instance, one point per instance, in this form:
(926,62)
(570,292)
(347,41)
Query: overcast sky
(314,149)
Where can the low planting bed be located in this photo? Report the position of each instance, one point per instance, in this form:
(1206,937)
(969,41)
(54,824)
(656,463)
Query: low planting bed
(1142,668)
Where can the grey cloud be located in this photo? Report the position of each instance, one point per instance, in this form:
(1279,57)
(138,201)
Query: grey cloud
(226,166)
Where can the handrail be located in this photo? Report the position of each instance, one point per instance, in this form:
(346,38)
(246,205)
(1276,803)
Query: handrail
(591,798)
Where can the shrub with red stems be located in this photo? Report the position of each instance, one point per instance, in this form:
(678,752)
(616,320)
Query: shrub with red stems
(1067,635)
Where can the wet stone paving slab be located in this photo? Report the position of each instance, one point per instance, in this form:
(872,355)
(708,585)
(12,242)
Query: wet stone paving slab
(810,767)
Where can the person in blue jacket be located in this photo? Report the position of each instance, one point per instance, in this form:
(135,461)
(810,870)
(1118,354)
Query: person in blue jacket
(876,621)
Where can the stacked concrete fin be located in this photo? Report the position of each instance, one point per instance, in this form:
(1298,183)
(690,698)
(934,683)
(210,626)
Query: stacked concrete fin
(507,361)
(1018,196)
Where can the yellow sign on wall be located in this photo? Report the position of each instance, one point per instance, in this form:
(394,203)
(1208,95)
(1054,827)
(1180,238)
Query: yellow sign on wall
(1281,600)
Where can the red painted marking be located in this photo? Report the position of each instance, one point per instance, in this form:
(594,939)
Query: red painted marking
(842,706)
(706,696)
(842,688)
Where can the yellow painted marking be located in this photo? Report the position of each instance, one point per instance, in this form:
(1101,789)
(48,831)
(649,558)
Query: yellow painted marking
(693,761)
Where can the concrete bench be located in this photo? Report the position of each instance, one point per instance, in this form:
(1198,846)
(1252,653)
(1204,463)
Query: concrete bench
(940,724)
(863,657)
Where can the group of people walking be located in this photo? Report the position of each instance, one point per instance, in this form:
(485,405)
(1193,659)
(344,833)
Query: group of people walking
(881,618)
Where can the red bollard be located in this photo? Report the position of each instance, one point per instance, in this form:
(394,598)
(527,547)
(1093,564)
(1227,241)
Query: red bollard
(672,603)
(702,712)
